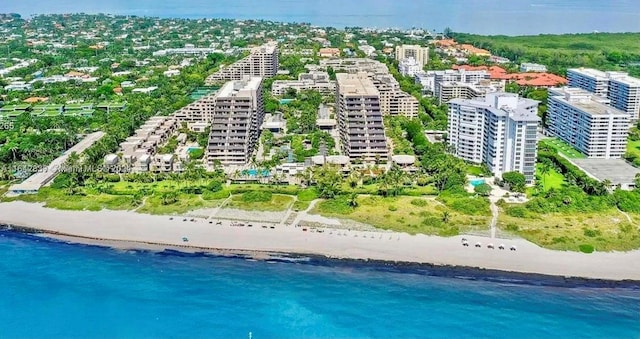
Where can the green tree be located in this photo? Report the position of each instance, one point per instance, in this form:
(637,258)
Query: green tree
(328,181)
(483,189)
(515,180)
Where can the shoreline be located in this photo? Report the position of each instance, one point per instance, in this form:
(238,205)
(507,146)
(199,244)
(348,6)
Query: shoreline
(433,270)
(438,256)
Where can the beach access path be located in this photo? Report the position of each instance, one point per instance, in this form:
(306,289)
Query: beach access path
(136,230)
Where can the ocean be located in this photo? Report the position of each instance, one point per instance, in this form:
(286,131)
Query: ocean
(51,289)
(508,17)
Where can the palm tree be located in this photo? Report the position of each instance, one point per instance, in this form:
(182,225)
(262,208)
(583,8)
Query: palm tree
(353,200)
(354,177)
(545,168)
(445,217)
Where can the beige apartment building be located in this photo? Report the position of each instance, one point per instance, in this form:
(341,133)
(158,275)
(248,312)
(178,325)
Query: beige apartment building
(262,61)
(418,53)
(360,119)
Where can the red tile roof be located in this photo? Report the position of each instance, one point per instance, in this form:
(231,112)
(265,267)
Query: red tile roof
(522,79)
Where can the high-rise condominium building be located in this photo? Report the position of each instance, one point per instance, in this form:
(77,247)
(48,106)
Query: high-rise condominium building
(238,114)
(418,53)
(499,131)
(262,61)
(586,122)
(360,119)
(622,89)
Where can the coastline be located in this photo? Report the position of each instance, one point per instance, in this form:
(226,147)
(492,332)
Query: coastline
(435,255)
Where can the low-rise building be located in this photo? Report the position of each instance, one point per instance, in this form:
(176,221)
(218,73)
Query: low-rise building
(530,67)
(409,67)
(195,51)
(198,111)
(393,100)
(329,53)
(314,80)
(430,79)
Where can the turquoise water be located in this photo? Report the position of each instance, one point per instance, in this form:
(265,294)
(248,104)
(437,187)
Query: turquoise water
(254,172)
(511,17)
(476,182)
(191,149)
(285,101)
(55,290)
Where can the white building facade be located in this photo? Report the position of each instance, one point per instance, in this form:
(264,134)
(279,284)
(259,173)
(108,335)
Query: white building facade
(586,122)
(499,131)
(529,67)
(622,89)
(409,67)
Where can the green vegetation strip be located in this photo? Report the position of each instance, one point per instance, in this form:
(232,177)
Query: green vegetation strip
(404,214)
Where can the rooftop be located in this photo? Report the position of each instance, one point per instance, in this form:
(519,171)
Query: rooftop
(537,79)
(617,171)
(585,101)
(232,88)
(354,84)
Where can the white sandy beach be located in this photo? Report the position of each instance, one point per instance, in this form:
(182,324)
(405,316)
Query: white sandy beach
(110,226)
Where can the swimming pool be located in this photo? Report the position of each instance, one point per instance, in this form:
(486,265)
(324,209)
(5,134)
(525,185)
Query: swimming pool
(476,182)
(254,172)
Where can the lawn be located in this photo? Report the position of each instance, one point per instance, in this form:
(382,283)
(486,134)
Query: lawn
(564,148)
(184,204)
(552,179)
(608,231)
(475,170)
(633,147)
(403,214)
(160,186)
(278,202)
(55,198)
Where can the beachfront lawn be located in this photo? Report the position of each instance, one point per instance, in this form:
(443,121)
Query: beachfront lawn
(563,148)
(374,189)
(552,179)
(605,231)
(633,147)
(184,203)
(160,186)
(57,198)
(260,201)
(403,214)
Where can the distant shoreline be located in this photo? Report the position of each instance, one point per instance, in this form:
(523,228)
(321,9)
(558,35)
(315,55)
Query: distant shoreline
(427,269)
(560,17)
(121,229)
